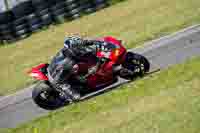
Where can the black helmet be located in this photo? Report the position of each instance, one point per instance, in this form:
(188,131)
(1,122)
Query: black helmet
(71,41)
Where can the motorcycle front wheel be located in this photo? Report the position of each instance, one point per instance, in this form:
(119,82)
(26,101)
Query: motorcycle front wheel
(46,97)
(135,65)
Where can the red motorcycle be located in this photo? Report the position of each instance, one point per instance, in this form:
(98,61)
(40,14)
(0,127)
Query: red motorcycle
(48,95)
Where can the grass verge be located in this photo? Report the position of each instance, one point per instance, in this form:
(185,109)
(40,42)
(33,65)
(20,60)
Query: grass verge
(135,21)
(157,103)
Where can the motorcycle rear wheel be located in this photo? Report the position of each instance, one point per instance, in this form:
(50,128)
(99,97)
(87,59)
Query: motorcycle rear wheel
(135,65)
(46,98)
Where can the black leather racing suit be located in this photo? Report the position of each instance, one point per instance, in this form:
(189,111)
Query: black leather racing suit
(74,48)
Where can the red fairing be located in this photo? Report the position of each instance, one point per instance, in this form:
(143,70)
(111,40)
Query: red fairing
(37,74)
(104,76)
(112,40)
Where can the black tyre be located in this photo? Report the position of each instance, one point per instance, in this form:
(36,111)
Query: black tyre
(75,16)
(74,11)
(31,16)
(72,16)
(33,19)
(22,9)
(68,2)
(20,34)
(40,6)
(57,6)
(5,26)
(45,98)
(6,29)
(36,2)
(6,17)
(19,21)
(20,27)
(88,8)
(43,12)
(59,15)
(58,12)
(46,19)
(71,6)
(54,2)
(135,65)
(45,16)
(35,27)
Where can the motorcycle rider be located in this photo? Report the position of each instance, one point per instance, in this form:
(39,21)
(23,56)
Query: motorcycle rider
(74,48)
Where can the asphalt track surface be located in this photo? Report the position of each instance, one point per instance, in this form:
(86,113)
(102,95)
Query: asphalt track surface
(169,50)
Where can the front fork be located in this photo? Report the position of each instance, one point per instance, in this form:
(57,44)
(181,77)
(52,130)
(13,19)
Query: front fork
(56,90)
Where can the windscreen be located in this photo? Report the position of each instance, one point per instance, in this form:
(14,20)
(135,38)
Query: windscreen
(110,46)
(59,67)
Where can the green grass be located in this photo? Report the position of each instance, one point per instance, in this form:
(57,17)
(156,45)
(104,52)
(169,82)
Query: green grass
(134,21)
(158,103)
